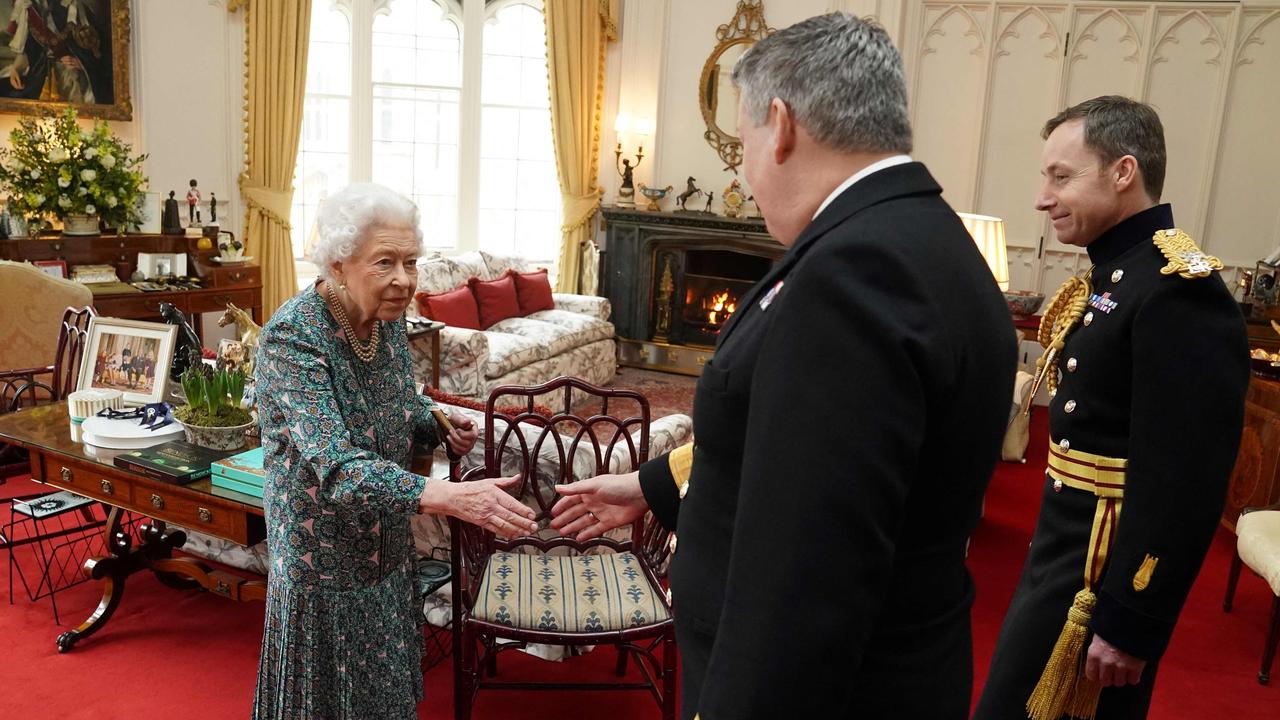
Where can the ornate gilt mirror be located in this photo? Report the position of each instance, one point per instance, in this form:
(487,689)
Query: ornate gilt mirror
(717,95)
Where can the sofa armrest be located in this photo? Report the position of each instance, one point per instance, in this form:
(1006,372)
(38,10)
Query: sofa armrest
(592,305)
(463,357)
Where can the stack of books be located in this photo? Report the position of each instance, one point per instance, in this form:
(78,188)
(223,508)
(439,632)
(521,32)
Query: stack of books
(177,461)
(242,473)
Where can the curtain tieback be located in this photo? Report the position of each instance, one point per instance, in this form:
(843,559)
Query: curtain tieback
(275,204)
(578,209)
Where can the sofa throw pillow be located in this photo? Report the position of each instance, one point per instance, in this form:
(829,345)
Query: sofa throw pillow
(533,290)
(455,308)
(496,299)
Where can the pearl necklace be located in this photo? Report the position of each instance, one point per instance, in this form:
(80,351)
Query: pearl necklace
(365,350)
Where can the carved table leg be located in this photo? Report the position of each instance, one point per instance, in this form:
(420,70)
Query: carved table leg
(112,570)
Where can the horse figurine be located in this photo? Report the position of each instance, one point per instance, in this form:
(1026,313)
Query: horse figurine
(246,328)
(188,342)
(692,191)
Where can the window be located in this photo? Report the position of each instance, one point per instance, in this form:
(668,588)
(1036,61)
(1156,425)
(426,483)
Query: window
(391,85)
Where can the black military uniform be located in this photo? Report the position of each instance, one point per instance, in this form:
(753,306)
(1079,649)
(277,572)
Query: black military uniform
(1151,395)
(847,427)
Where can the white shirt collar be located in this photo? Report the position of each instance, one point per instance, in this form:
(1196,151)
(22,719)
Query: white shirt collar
(872,168)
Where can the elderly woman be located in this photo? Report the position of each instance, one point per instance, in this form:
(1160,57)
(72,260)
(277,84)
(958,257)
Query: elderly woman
(340,418)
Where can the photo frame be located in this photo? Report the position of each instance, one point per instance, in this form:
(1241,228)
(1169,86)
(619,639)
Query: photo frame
(131,356)
(56,268)
(91,76)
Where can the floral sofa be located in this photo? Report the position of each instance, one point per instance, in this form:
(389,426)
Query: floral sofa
(574,338)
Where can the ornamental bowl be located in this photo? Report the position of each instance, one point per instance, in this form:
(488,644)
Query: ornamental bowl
(1023,303)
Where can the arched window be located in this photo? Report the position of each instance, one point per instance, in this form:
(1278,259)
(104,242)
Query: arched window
(457,117)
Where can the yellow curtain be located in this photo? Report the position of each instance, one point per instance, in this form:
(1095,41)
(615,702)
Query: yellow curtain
(577,34)
(275,72)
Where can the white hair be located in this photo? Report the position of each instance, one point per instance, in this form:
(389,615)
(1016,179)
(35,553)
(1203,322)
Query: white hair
(347,216)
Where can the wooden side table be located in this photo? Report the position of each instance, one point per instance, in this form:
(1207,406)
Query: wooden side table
(1255,481)
(415,329)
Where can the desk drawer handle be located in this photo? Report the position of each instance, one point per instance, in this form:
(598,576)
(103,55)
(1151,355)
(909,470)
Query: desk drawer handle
(157,502)
(236,276)
(107,487)
(204,515)
(66,474)
(57,246)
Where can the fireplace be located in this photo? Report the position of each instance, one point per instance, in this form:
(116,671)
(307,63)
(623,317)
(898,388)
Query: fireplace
(674,280)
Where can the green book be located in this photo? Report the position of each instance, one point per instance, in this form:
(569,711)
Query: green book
(245,467)
(228,484)
(176,461)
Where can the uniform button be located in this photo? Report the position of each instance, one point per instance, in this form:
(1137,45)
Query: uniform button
(1069,407)
(1071,365)
(1171,232)
(684,489)
(1057,486)
(1116,276)
(1088,318)
(1065,444)
(671,544)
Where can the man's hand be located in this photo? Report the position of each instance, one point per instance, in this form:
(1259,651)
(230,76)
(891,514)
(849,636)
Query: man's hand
(1109,665)
(590,508)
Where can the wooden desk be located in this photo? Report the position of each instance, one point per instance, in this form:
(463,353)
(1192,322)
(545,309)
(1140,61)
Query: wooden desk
(239,284)
(61,463)
(1255,481)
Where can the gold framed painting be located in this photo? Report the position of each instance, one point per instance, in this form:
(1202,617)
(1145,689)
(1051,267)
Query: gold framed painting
(65,53)
(131,356)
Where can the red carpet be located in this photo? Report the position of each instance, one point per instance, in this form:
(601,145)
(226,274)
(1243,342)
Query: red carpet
(192,655)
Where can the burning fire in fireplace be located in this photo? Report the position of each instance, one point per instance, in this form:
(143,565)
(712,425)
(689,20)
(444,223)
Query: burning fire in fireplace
(720,306)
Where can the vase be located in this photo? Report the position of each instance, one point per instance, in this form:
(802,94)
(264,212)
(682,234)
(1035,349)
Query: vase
(216,438)
(79,224)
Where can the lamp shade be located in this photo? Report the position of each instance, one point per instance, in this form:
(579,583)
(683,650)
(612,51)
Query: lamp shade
(988,233)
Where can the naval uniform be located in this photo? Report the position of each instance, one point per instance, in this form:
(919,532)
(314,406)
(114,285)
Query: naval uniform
(1150,403)
(847,427)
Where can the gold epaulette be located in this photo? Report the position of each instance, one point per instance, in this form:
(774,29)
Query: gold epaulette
(1184,257)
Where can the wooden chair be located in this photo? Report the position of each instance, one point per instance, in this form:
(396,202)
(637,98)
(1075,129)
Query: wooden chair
(544,588)
(1258,546)
(26,387)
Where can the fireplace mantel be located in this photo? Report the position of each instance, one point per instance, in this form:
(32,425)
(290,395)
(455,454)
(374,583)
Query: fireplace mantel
(639,246)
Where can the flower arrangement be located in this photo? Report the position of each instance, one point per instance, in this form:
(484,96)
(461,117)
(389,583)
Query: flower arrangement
(54,168)
(213,397)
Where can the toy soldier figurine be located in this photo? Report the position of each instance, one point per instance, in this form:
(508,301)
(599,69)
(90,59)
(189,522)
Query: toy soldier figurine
(193,204)
(213,208)
(1139,461)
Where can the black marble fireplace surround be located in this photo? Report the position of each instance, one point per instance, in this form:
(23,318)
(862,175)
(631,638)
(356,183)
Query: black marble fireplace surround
(662,273)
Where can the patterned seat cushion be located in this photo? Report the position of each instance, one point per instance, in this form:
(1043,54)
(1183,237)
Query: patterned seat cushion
(556,337)
(508,352)
(561,593)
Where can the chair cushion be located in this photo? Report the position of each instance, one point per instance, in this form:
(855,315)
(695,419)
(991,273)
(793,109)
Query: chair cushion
(456,308)
(1258,541)
(562,593)
(496,300)
(533,290)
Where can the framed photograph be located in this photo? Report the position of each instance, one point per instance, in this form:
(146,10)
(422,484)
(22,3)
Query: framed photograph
(56,268)
(60,53)
(130,356)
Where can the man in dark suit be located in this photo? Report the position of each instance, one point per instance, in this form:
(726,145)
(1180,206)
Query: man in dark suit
(848,423)
(1140,454)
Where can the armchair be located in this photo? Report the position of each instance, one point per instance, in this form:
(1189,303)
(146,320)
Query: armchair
(549,589)
(1258,546)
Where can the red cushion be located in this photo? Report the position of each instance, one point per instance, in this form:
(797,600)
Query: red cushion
(533,289)
(456,308)
(496,299)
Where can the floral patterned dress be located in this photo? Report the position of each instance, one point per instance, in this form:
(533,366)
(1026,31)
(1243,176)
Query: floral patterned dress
(342,637)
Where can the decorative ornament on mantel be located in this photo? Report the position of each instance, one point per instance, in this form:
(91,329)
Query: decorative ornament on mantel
(55,170)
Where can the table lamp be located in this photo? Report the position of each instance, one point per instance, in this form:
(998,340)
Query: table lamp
(988,233)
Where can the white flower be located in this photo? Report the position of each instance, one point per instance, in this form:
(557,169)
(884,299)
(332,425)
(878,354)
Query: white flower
(112,201)
(82,190)
(108,161)
(59,154)
(88,175)
(64,201)
(35,174)
(18,166)
(39,199)
(90,210)
(63,182)
(90,153)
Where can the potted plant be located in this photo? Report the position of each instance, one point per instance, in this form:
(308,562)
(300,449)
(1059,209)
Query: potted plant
(212,416)
(55,169)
